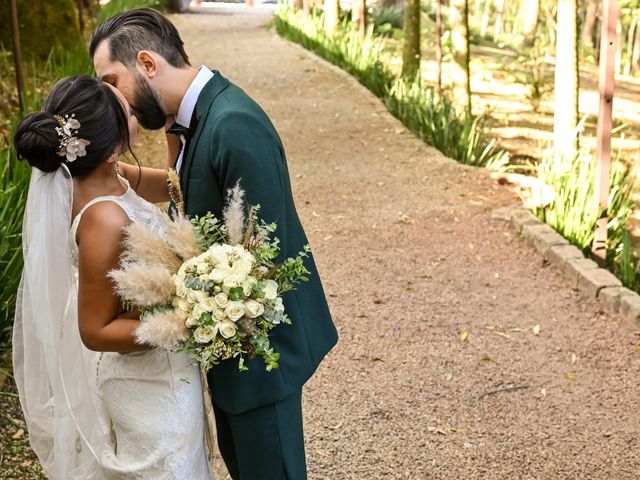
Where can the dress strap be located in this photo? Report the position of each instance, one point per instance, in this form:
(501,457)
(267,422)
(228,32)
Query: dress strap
(109,198)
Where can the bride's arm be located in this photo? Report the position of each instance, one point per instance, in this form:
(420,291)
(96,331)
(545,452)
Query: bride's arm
(153,182)
(100,236)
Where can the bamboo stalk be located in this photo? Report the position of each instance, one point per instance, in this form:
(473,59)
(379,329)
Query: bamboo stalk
(17,57)
(80,16)
(608,50)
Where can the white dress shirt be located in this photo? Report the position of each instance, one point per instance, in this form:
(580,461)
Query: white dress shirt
(188,104)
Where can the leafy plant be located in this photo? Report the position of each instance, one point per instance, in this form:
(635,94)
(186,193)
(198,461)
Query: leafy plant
(574,210)
(386,19)
(434,119)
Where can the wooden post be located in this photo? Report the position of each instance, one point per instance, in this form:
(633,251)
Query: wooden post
(608,48)
(80,18)
(439,44)
(16,52)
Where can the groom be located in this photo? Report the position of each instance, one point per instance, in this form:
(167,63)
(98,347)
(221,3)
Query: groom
(225,137)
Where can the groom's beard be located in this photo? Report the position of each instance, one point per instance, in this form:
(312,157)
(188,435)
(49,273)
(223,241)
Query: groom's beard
(146,106)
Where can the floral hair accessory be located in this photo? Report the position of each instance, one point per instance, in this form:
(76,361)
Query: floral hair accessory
(71,146)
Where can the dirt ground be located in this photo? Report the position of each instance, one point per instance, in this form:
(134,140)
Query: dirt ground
(462,355)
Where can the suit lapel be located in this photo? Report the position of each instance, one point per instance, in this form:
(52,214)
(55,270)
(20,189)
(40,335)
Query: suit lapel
(203,106)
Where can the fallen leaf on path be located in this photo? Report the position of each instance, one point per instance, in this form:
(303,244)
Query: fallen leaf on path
(18,434)
(464,336)
(536,330)
(505,335)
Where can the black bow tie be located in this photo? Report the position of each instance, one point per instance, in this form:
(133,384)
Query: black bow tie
(177,129)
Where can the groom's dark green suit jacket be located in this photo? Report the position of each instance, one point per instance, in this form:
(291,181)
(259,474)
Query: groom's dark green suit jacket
(233,141)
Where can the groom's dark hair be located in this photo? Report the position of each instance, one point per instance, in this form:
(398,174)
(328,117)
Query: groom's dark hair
(129,32)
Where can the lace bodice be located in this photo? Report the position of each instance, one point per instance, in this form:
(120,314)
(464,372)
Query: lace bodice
(137,209)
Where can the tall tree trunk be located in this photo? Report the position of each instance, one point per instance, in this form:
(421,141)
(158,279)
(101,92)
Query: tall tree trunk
(459,18)
(411,47)
(359,16)
(565,119)
(497,28)
(530,18)
(306,7)
(620,47)
(630,44)
(331,16)
(485,17)
(635,57)
(590,18)
(439,44)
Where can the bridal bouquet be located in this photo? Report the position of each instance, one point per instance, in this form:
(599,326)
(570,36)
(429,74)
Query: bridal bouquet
(208,286)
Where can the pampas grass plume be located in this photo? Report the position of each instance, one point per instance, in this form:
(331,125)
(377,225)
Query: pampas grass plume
(143,284)
(164,330)
(182,238)
(233,215)
(141,245)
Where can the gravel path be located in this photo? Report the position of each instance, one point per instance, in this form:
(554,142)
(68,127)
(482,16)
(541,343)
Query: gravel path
(439,373)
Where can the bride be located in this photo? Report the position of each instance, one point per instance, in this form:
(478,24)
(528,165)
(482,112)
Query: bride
(97,404)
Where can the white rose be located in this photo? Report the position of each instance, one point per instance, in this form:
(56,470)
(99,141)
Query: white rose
(219,273)
(197,311)
(217,254)
(191,321)
(191,296)
(248,284)
(271,290)
(242,267)
(219,315)
(235,311)
(253,309)
(209,304)
(234,280)
(227,329)
(279,307)
(203,267)
(204,334)
(195,296)
(222,300)
(181,290)
(181,304)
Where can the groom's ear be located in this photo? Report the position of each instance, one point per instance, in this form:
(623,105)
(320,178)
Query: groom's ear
(148,63)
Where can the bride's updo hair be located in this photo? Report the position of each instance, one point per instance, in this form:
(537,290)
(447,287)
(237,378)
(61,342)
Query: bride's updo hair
(103,122)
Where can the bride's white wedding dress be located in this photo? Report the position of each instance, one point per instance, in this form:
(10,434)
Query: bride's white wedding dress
(152,400)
